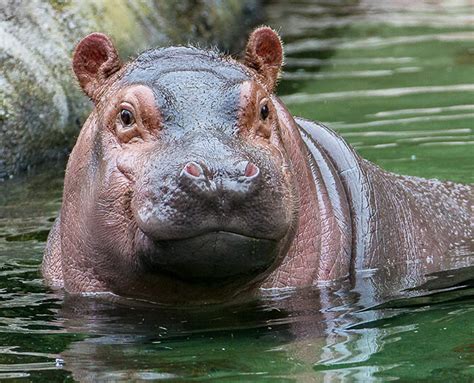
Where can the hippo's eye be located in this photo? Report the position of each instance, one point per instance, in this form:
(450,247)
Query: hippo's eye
(126,117)
(264,112)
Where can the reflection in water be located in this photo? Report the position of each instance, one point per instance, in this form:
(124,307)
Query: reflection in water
(282,334)
(396,79)
(314,333)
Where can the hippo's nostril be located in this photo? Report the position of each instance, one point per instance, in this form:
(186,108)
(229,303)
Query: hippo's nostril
(251,170)
(192,169)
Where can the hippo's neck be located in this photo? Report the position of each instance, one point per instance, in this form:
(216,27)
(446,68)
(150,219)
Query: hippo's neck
(321,250)
(355,182)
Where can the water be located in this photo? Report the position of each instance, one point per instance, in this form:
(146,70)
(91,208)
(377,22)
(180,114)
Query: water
(397,80)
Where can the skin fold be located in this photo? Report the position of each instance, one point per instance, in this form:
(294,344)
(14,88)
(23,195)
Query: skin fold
(191,182)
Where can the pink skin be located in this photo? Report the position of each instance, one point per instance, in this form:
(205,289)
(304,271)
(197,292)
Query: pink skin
(320,230)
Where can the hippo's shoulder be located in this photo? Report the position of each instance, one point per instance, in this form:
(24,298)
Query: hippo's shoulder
(343,156)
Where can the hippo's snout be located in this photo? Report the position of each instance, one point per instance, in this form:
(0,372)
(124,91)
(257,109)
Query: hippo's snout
(212,218)
(203,197)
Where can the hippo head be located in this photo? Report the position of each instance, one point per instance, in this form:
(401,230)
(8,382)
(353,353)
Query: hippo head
(181,174)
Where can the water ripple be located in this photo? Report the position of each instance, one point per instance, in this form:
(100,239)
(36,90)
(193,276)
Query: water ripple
(351,74)
(301,98)
(439,109)
(310,62)
(373,42)
(402,121)
(449,143)
(404,133)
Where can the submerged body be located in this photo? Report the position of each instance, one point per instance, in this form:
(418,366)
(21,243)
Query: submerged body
(191,181)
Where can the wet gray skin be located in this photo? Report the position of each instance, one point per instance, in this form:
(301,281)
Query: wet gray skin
(210,204)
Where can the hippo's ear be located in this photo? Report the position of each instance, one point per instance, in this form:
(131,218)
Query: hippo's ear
(264,53)
(95,59)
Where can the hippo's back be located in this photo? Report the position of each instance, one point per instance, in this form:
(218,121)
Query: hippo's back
(403,226)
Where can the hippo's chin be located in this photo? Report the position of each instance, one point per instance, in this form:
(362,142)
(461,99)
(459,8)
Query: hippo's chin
(214,257)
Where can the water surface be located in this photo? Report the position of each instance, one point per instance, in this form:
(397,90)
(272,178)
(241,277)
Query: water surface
(397,80)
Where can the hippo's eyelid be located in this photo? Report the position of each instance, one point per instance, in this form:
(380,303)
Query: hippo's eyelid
(127,105)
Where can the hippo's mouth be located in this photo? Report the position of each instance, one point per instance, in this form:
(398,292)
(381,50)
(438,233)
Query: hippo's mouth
(214,256)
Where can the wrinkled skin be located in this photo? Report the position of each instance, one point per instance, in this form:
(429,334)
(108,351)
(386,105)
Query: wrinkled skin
(191,182)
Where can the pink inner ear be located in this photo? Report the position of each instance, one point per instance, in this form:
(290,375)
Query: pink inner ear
(95,59)
(93,55)
(268,47)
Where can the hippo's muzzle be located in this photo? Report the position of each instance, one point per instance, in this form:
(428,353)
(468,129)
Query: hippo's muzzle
(213,221)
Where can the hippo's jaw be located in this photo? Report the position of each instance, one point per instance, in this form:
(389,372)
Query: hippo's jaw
(213,257)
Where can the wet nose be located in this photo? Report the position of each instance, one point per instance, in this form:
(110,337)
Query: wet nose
(244,171)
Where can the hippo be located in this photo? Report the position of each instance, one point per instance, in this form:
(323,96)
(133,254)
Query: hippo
(191,182)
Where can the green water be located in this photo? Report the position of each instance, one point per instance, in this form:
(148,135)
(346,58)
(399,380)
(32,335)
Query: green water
(398,82)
